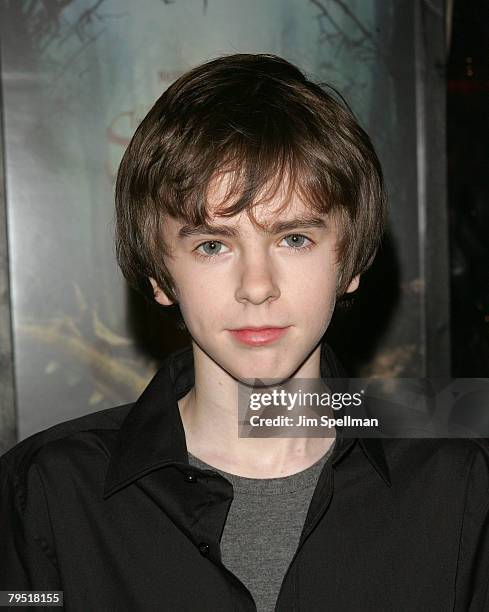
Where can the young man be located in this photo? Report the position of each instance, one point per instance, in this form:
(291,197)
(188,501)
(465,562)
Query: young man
(251,200)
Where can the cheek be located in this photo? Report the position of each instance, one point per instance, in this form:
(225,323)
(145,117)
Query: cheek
(201,305)
(196,288)
(316,287)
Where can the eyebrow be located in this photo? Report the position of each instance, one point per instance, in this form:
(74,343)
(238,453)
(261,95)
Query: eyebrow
(275,228)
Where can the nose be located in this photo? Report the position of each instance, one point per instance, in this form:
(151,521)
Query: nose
(257,282)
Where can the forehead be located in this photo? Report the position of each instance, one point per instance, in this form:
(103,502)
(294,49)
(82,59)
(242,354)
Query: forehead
(275,201)
(234,227)
(277,208)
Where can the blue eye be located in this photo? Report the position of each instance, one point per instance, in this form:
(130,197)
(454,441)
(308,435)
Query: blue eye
(212,247)
(209,248)
(296,241)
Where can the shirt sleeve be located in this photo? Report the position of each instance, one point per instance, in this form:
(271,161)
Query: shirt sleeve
(472,589)
(28,560)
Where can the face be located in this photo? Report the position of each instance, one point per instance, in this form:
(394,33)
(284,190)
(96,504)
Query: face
(232,278)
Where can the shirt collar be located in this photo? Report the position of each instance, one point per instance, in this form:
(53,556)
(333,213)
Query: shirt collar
(152,433)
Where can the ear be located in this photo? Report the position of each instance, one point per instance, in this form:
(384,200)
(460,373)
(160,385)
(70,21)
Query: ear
(159,294)
(353,286)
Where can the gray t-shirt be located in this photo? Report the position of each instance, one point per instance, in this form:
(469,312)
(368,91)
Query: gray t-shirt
(263,527)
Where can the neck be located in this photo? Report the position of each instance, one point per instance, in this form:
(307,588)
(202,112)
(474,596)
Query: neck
(209,415)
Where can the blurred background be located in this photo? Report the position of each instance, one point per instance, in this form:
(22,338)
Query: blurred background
(77,76)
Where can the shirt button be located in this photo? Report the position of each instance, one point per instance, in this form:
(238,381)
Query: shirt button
(190,477)
(204,548)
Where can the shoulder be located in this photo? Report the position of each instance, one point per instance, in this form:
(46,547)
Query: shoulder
(454,463)
(443,446)
(53,465)
(437,450)
(96,430)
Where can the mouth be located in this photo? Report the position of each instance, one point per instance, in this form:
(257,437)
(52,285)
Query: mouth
(258,336)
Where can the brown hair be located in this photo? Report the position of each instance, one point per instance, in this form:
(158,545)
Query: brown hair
(260,118)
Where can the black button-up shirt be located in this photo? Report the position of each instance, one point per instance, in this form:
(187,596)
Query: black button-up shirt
(108,509)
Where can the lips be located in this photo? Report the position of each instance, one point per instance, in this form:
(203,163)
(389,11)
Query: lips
(258,336)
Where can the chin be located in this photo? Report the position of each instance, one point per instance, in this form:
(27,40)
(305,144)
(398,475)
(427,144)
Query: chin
(266,372)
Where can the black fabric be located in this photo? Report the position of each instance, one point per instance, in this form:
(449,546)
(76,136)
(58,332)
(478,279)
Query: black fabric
(108,509)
